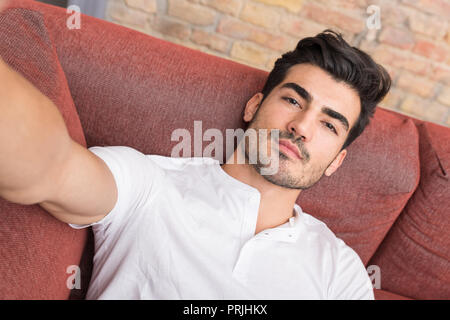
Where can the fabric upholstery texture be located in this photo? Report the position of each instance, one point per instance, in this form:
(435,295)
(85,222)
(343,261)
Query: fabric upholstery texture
(35,248)
(414,257)
(389,200)
(125,84)
(386,295)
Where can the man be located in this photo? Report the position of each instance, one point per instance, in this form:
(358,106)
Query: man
(188,228)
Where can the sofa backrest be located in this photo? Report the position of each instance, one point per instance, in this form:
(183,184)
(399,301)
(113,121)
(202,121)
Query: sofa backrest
(415,255)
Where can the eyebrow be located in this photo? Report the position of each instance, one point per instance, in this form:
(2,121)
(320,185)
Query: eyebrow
(300,90)
(326,110)
(336,115)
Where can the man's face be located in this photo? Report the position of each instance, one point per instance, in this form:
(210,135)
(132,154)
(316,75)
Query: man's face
(314,114)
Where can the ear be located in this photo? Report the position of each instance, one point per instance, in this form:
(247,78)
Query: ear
(336,163)
(252,105)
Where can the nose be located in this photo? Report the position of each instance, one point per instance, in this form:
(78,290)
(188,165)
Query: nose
(302,127)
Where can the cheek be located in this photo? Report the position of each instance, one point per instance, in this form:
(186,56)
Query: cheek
(323,150)
(274,117)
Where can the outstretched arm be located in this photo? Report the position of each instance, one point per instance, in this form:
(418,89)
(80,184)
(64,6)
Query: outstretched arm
(41,164)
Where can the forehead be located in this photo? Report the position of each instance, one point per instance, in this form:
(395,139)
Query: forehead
(325,90)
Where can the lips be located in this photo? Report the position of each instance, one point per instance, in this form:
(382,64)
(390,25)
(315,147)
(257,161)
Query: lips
(289,148)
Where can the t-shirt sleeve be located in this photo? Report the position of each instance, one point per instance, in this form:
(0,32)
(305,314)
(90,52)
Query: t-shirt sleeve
(136,177)
(350,280)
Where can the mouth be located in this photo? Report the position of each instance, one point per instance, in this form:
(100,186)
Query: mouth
(289,149)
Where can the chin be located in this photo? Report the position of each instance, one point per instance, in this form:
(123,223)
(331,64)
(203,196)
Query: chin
(291,177)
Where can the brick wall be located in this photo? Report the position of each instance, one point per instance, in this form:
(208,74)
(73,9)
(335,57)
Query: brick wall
(412,41)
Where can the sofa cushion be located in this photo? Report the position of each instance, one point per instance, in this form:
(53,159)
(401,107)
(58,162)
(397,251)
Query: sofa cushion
(414,257)
(35,248)
(363,198)
(386,295)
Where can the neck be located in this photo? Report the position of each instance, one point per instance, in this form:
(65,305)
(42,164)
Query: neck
(276,204)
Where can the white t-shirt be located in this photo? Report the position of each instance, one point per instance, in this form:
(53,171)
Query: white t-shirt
(182,228)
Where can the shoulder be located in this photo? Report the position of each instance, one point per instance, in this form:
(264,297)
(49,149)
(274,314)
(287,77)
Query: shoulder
(178,164)
(319,229)
(164,162)
(348,277)
(321,232)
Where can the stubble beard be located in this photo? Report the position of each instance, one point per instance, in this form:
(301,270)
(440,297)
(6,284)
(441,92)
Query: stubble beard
(305,175)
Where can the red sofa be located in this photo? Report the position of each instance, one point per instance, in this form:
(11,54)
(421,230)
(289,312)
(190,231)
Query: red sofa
(390,200)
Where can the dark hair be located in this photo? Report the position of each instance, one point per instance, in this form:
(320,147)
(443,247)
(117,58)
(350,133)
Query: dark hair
(329,51)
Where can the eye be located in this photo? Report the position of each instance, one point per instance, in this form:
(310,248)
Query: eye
(292,101)
(331,127)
